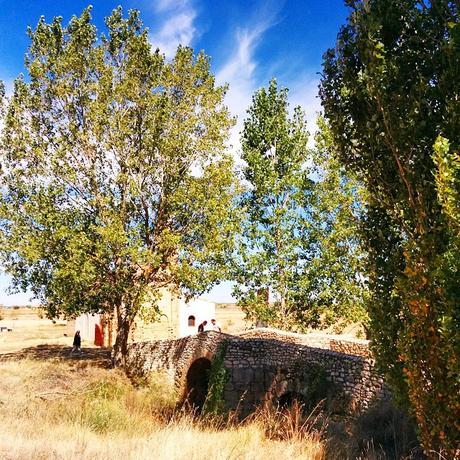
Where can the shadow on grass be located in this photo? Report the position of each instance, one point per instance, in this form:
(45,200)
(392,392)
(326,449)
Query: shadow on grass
(99,357)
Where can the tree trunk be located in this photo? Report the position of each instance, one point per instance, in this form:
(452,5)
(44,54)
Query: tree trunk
(120,348)
(281,275)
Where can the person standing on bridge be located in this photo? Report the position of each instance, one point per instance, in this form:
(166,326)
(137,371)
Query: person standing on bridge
(215,326)
(202,326)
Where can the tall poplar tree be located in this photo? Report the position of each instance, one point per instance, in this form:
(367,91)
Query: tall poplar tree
(390,89)
(299,264)
(115,181)
(332,289)
(2,96)
(272,249)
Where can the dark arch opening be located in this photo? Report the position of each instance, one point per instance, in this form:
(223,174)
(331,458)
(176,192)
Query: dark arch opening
(191,320)
(197,383)
(291,399)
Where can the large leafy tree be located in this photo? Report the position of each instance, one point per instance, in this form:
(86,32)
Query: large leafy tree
(114,178)
(271,253)
(389,89)
(300,264)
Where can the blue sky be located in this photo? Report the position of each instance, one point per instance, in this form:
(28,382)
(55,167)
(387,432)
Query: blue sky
(249,42)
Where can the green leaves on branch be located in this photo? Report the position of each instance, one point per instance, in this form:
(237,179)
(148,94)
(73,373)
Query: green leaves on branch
(389,89)
(299,261)
(115,178)
(334,281)
(274,148)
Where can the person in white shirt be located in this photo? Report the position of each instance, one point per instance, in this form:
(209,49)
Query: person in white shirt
(215,326)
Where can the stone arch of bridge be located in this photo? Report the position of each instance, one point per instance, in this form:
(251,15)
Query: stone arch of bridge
(287,390)
(291,399)
(197,382)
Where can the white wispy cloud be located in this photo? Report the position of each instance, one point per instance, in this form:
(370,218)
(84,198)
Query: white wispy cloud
(178,27)
(163,5)
(239,72)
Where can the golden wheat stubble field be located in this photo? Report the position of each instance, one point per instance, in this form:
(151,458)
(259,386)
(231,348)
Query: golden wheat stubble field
(59,405)
(30,328)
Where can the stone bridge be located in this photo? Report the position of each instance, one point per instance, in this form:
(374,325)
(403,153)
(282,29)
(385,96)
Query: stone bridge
(265,367)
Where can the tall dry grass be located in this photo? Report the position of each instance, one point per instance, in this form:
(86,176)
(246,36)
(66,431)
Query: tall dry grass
(53,407)
(57,410)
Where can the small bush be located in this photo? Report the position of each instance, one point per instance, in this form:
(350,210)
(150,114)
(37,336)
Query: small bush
(218,376)
(153,394)
(104,416)
(316,387)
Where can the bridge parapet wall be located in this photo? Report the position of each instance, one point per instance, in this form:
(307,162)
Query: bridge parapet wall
(261,370)
(174,356)
(338,343)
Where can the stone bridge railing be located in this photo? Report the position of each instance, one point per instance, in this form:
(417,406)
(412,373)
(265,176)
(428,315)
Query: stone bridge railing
(261,369)
(350,346)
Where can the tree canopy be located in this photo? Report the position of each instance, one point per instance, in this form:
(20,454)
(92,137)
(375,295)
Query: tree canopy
(389,89)
(300,264)
(274,147)
(333,287)
(115,180)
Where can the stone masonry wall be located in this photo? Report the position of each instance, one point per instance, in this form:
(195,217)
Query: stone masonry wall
(339,343)
(175,356)
(260,370)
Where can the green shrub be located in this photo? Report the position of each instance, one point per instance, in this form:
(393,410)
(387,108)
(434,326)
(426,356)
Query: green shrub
(218,375)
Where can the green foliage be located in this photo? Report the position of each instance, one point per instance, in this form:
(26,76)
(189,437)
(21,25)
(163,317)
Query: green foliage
(218,377)
(333,283)
(316,388)
(388,94)
(274,148)
(299,247)
(115,181)
(2,97)
(112,405)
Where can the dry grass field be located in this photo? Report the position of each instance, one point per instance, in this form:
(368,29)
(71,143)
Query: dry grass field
(231,318)
(58,405)
(29,328)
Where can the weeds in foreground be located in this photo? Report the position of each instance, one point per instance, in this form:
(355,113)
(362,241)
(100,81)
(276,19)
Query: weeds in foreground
(55,409)
(383,432)
(291,423)
(60,410)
